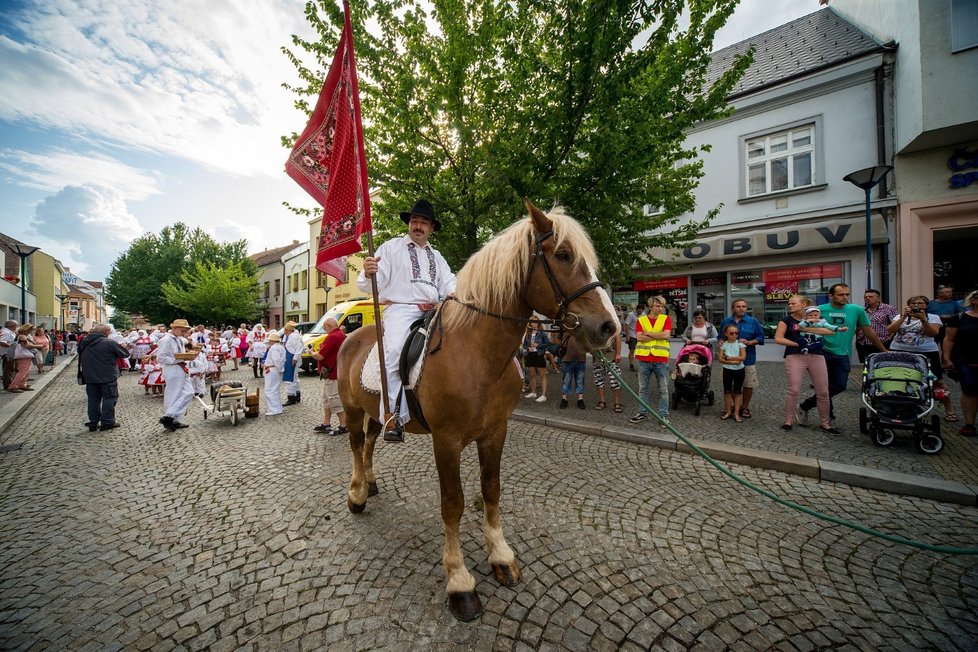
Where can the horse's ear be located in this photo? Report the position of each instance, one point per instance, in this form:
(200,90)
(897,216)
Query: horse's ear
(541,222)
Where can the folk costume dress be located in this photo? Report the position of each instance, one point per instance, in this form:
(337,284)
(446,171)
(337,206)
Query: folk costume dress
(197,369)
(179,391)
(141,346)
(274,364)
(152,374)
(216,353)
(256,343)
(407,275)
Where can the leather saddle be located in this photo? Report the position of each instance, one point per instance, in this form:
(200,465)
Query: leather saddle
(411,355)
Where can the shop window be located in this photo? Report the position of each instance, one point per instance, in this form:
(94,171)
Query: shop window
(779,161)
(767,291)
(964,24)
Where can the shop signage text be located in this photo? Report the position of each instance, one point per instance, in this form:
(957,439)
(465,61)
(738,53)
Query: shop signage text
(792,238)
(962,160)
(772,241)
(660,283)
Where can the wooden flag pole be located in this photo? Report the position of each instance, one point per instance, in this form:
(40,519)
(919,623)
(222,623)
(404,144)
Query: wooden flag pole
(380,334)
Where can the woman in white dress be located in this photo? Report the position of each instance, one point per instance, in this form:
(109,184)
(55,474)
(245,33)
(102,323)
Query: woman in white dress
(257,345)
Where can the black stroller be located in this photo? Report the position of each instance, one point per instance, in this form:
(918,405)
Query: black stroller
(693,388)
(898,391)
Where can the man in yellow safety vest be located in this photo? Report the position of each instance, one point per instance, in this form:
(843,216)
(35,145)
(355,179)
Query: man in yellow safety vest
(652,332)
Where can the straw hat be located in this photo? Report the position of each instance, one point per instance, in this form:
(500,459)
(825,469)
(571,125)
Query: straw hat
(274,337)
(290,325)
(180,323)
(26,328)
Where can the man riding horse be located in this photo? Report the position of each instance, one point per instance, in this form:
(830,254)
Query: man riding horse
(412,277)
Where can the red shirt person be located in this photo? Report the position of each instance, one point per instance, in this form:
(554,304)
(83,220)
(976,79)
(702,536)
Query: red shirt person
(326,356)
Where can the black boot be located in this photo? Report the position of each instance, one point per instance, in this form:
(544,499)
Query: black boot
(291,400)
(254,370)
(298,397)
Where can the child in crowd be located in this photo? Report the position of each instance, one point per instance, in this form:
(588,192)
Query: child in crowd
(732,353)
(810,342)
(216,351)
(693,367)
(197,368)
(152,375)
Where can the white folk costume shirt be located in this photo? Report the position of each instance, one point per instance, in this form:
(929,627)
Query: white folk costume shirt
(274,364)
(406,276)
(179,391)
(256,342)
(293,348)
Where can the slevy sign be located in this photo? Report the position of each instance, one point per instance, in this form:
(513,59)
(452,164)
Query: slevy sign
(789,238)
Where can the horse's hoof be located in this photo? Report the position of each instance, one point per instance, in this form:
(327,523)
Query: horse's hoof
(507,574)
(465,606)
(372,489)
(356,509)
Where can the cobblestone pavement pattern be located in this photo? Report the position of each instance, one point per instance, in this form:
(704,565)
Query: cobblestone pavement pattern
(227,538)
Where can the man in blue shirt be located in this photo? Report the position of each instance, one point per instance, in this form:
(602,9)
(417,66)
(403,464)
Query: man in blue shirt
(837,348)
(750,332)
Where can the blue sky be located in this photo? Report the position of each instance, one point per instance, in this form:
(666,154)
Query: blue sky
(118,117)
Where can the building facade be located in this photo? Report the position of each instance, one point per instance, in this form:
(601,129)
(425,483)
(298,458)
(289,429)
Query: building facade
(296,264)
(812,108)
(271,282)
(935,137)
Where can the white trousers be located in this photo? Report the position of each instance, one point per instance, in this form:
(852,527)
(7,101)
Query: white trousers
(197,382)
(397,322)
(178,391)
(273,392)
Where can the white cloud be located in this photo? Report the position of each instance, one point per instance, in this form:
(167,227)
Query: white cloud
(199,81)
(86,227)
(56,168)
(229,231)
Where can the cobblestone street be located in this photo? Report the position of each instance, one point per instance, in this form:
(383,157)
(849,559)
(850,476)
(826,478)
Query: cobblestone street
(224,538)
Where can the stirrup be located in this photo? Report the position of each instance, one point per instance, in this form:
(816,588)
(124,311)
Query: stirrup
(393,431)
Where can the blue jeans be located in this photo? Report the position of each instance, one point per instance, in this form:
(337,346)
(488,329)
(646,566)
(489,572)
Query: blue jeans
(573,377)
(645,372)
(838,367)
(101,402)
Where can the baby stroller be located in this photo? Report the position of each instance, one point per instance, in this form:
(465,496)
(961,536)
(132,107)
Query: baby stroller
(695,389)
(898,391)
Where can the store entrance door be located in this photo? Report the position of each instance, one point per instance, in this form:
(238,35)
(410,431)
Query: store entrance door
(710,294)
(955,263)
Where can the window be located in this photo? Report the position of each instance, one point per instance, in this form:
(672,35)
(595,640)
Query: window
(780,161)
(295,282)
(964,24)
(305,280)
(320,279)
(278,287)
(266,289)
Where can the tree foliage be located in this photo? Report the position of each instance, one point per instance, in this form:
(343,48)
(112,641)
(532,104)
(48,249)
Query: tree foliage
(216,295)
(120,320)
(474,104)
(134,284)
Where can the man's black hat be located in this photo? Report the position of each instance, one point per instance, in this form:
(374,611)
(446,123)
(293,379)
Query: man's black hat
(422,208)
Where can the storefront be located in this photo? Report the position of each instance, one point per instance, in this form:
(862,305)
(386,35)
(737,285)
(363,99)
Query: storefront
(766,266)
(937,238)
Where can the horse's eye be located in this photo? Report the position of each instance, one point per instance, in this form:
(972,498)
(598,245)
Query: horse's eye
(562,256)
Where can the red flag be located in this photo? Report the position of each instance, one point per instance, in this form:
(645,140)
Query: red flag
(329,162)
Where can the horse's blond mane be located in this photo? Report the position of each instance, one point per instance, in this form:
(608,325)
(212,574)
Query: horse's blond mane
(493,277)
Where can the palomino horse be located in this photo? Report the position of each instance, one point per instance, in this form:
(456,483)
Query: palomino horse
(545,264)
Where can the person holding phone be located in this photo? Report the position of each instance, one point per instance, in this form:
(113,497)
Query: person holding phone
(915,330)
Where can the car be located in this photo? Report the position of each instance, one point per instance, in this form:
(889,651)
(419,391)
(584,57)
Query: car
(350,315)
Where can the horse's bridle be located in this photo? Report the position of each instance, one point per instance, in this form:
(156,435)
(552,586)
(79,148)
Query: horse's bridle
(563,301)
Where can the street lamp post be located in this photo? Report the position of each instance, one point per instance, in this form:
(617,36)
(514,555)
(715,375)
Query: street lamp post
(24,251)
(868,179)
(61,300)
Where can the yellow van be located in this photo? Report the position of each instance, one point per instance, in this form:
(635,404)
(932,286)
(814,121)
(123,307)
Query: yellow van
(350,315)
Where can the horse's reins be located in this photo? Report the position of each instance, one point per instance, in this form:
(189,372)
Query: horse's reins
(563,301)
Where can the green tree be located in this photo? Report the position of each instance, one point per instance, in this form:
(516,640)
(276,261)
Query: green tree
(216,294)
(477,103)
(134,283)
(120,320)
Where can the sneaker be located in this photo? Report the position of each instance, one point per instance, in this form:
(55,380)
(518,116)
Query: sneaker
(323,428)
(801,416)
(639,418)
(563,403)
(342,430)
(530,395)
(664,423)
(541,399)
